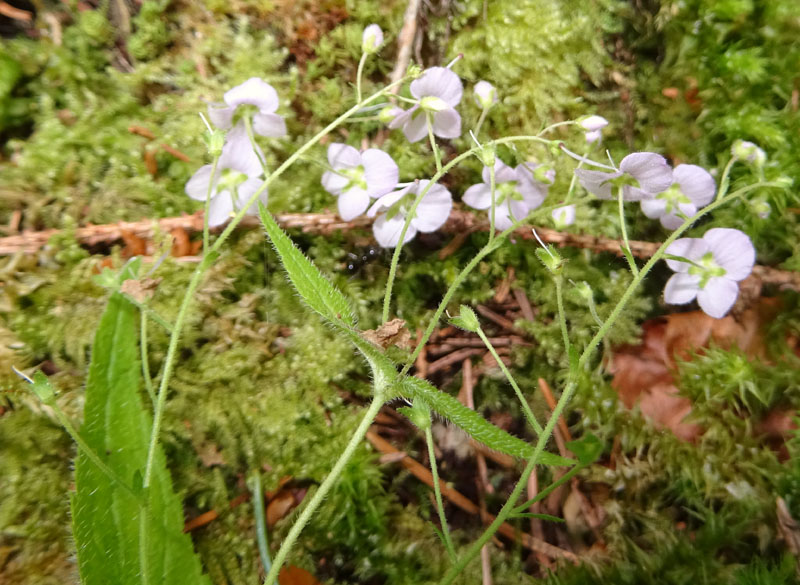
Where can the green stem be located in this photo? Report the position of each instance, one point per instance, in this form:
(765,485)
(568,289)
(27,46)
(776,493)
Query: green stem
(625,242)
(562,317)
(261,527)
(360,72)
(437,156)
(150,312)
(569,389)
(463,156)
(724,181)
(525,407)
(207,206)
(324,488)
(144,569)
(437,490)
(481,119)
(248,125)
(148,381)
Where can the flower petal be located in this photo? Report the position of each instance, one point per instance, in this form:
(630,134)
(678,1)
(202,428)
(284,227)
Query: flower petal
(197,187)
(238,153)
(334,183)
(681,288)
(387,201)
(447,124)
(672,221)
(380,172)
(417,128)
(732,250)
(502,173)
(439,82)
(267,124)
(696,183)
(690,248)
(342,156)
(650,169)
(564,216)
(478,196)
(718,296)
(256,92)
(434,209)
(221,115)
(654,208)
(387,231)
(401,117)
(597,182)
(220,208)
(246,190)
(353,203)
(502,216)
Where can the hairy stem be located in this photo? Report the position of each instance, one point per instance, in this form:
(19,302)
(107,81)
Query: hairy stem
(437,490)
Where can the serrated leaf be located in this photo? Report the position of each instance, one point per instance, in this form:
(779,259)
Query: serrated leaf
(107,519)
(473,423)
(314,288)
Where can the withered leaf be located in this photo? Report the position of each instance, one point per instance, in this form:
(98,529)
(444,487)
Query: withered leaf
(392,332)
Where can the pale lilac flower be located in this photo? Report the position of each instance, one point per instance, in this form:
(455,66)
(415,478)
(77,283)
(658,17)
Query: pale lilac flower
(516,193)
(358,176)
(748,152)
(432,211)
(235,181)
(593,126)
(722,257)
(438,92)
(253,92)
(563,216)
(389,113)
(642,175)
(372,39)
(693,188)
(485,94)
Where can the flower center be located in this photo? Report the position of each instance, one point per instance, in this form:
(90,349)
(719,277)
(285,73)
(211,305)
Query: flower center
(673,197)
(506,191)
(403,206)
(355,176)
(706,268)
(229,179)
(432,103)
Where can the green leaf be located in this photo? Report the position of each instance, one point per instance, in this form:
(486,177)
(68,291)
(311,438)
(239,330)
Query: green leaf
(314,288)
(107,519)
(473,423)
(587,449)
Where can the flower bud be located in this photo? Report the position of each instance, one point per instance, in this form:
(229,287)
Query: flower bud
(389,113)
(584,291)
(748,152)
(487,156)
(564,216)
(485,94)
(551,259)
(544,174)
(215,140)
(467,320)
(762,208)
(418,413)
(372,39)
(414,71)
(592,123)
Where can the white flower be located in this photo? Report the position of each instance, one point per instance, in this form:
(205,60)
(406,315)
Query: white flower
(254,92)
(438,92)
(235,181)
(485,94)
(593,125)
(642,175)
(694,187)
(372,39)
(516,194)
(748,152)
(563,216)
(358,176)
(432,211)
(722,257)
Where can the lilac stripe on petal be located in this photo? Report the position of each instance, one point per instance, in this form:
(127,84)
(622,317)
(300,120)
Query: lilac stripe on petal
(353,203)
(439,82)
(417,128)
(732,250)
(681,288)
(221,115)
(220,208)
(696,183)
(380,172)
(197,187)
(270,125)
(342,156)
(387,231)
(333,182)
(254,91)
(447,124)
(650,169)
(718,296)
(478,196)
(690,248)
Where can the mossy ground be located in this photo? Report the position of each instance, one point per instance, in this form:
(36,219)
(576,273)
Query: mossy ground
(265,387)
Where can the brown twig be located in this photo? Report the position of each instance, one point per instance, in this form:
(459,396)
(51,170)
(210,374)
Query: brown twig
(327,223)
(15,13)
(423,474)
(405,40)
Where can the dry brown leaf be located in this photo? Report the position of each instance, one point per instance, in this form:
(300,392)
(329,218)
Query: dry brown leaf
(140,290)
(392,332)
(284,502)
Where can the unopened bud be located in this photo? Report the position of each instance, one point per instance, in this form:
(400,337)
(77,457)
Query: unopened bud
(466,320)
(485,94)
(749,152)
(487,156)
(418,413)
(551,259)
(762,208)
(372,39)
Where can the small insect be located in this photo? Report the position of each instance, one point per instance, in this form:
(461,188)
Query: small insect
(355,262)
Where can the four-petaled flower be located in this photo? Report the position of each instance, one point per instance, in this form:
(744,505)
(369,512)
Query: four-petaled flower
(438,91)
(516,193)
(432,211)
(719,260)
(642,175)
(235,181)
(356,177)
(253,92)
(694,187)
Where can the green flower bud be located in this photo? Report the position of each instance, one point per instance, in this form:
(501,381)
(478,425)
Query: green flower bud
(467,320)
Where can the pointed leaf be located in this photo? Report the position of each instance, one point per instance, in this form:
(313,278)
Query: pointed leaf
(314,288)
(106,518)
